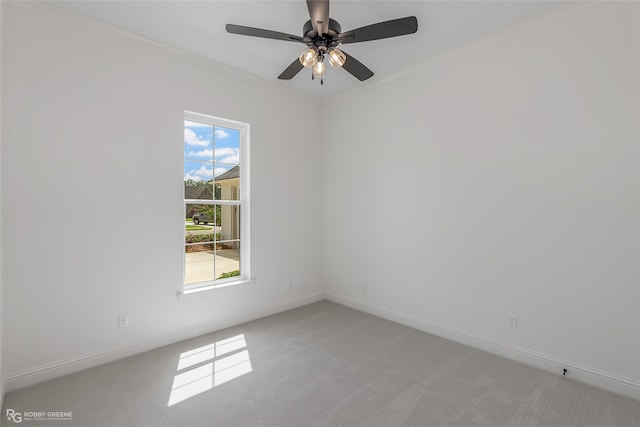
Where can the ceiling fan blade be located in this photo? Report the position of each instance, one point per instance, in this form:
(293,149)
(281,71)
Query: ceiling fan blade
(357,68)
(319,14)
(259,32)
(381,30)
(291,71)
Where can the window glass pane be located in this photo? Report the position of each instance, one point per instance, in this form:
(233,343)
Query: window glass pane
(227,182)
(201,217)
(199,263)
(228,260)
(229,222)
(227,143)
(198,141)
(197,237)
(199,188)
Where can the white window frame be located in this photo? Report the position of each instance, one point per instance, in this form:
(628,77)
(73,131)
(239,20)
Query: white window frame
(242,203)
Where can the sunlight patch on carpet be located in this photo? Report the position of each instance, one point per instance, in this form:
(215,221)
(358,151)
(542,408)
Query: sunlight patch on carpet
(208,366)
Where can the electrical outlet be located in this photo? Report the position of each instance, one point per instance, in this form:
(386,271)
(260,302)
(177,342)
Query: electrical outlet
(513,321)
(123,321)
(364,288)
(288,284)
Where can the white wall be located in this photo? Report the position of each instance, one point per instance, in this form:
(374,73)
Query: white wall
(1,241)
(92,190)
(501,180)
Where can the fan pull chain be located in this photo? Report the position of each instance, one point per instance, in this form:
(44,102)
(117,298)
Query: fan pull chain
(313,77)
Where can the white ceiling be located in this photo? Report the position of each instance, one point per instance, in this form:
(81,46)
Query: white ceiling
(199,27)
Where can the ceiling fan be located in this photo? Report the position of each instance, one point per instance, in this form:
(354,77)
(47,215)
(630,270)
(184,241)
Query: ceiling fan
(322,35)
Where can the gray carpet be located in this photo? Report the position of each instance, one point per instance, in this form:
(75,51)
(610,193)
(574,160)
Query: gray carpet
(321,365)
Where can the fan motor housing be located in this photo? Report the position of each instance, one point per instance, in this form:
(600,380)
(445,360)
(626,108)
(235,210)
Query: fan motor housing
(334,30)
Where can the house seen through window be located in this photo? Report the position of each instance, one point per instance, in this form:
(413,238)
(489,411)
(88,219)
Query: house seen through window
(215,200)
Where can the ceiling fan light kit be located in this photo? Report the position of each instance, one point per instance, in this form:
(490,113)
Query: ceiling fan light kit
(309,57)
(320,68)
(337,58)
(322,36)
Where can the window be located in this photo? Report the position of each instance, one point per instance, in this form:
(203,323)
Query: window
(216,239)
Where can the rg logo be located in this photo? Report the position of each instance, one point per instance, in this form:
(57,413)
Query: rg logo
(14,416)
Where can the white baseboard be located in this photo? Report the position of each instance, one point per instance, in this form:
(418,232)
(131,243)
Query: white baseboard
(53,370)
(605,380)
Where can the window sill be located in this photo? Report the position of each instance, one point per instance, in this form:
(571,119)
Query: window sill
(236,284)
